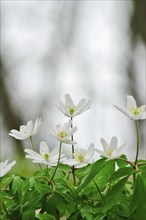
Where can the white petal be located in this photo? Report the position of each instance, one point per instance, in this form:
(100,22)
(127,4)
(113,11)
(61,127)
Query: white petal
(81,104)
(71,162)
(44,149)
(131,103)
(32,154)
(73,130)
(61,106)
(90,151)
(83,164)
(69,101)
(104,144)
(124,110)
(58,127)
(100,152)
(84,108)
(23,129)
(16,134)
(121,149)
(113,143)
(30,127)
(36,126)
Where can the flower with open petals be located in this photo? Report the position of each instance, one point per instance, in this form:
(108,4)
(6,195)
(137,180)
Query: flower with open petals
(111,151)
(45,156)
(5,167)
(82,157)
(26,131)
(64,132)
(132,110)
(71,110)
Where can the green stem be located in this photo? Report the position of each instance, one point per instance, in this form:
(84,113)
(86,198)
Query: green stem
(138,142)
(33,147)
(32,144)
(97,188)
(57,162)
(73,150)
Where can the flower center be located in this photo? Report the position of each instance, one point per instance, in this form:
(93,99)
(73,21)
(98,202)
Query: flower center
(71,110)
(46,156)
(62,134)
(80,156)
(136,111)
(109,152)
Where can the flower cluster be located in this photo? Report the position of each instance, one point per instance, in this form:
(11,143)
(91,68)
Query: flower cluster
(64,134)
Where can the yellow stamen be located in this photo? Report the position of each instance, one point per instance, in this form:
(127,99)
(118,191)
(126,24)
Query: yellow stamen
(62,134)
(46,156)
(136,111)
(79,156)
(71,110)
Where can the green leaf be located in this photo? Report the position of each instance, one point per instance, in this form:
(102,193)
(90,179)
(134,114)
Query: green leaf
(138,204)
(96,167)
(45,217)
(122,172)
(17,184)
(120,161)
(113,196)
(29,214)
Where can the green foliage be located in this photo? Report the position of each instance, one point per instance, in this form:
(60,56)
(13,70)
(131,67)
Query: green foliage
(101,193)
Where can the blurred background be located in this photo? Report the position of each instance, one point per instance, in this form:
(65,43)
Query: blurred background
(89,49)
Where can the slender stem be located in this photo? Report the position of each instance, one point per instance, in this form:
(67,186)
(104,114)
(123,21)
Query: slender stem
(73,150)
(74,177)
(97,188)
(33,147)
(57,162)
(32,144)
(138,142)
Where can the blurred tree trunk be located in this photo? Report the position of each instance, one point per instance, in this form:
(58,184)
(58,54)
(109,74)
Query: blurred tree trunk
(11,119)
(138,31)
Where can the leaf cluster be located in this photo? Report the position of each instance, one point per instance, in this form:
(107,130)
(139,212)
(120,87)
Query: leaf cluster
(105,190)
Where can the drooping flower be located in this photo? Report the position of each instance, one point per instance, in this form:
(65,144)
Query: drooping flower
(132,110)
(26,131)
(82,157)
(45,156)
(5,167)
(111,151)
(71,110)
(63,133)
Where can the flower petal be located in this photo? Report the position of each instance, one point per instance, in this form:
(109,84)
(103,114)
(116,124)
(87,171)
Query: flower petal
(90,151)
(124,110)
(36,126)
(113,143)
(104,144)
(44,149)
(69,101)
(16,134)
(131,103)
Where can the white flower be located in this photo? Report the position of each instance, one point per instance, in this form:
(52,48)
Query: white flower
(70,109)
(5,167)
(63,133)
(132,110)
(45,156)
(26,131)
(82,157)
(111,151)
